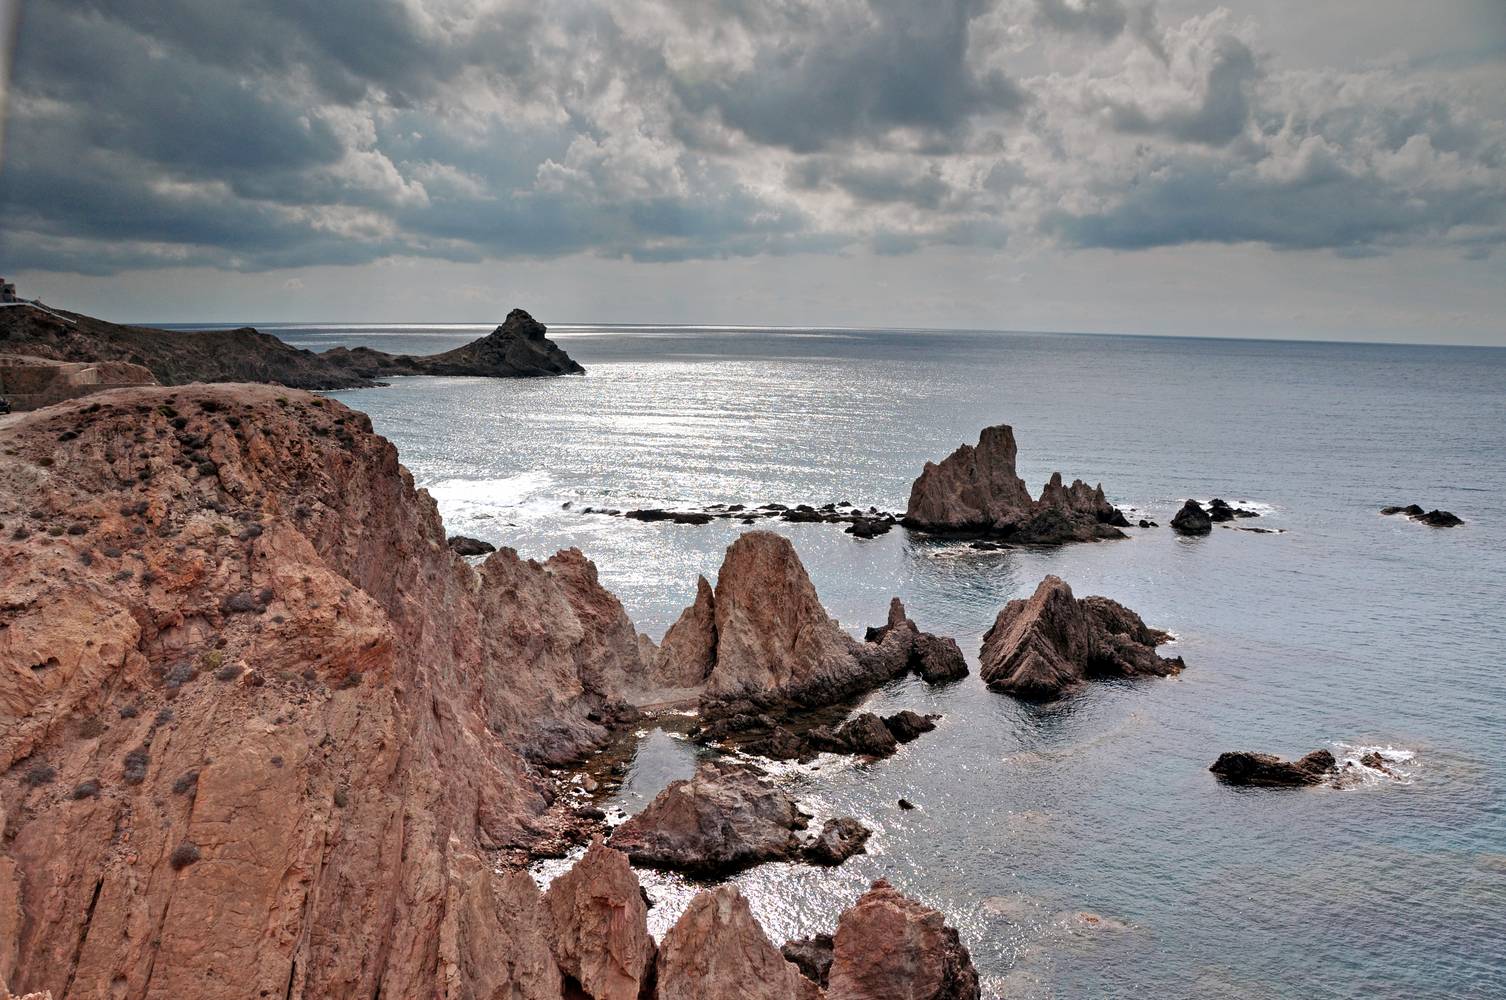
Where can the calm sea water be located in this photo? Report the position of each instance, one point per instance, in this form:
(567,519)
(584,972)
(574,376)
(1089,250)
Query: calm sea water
(1347,631)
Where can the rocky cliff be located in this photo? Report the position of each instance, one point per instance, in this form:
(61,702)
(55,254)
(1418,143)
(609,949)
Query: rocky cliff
(975,491)
(261,731)
(517,348)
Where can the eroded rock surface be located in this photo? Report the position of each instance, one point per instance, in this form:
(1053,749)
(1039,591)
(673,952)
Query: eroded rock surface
(599,926)
(1247,768)
(839,839)
(976,491)
(259,725)
(717,951)
(1192,519)
(890,946)
(1046,646)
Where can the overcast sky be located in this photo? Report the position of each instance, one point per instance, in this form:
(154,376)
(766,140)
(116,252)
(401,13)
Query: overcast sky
(1281,168)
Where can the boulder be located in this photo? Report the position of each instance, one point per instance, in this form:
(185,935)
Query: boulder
(1411,510)
(906,725)
(599,925)
(1192,519)
(976,491)
(1441,519)
(725,818)
(467,546)
(888,946)
(717,951)
(866,734)
(838,840)
(1044,647)
(1247,768)
(936,659)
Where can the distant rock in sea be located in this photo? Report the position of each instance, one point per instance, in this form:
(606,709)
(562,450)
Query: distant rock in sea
(1192,519)
(516,349)
(1436,518)
(976,492)
(1050,644)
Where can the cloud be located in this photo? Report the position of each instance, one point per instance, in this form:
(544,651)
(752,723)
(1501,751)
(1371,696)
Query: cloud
(271,134)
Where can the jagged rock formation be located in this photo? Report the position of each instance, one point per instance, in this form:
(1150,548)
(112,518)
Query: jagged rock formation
(723,819)
(599,926)
(1192,519)
(976,492)
(935,659)
(1246,768)
(259,725)
(761,641)
(29,382)
(1436,518)
(888,946)
(811,955)
(717,951)
(1046,646)
(517,348)
(840,838)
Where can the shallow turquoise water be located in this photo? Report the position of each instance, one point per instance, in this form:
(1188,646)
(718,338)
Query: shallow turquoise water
(1349,630)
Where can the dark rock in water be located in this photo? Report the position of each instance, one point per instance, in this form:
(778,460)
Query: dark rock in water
(906,804)
(678,517)
(906,726)
(1050,644)
(866,734)
(937,659)
(1246,768)
(812,956)
(1220,511)
(723,819)
(888,947)
(467,546)
(1376,762)
(1144,523)
(838,840)
(1192,519)
(976,491)
(1436,518)
(868,528)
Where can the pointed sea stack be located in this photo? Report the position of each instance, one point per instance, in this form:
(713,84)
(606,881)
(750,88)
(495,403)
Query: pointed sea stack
(976,492)
(1052,643)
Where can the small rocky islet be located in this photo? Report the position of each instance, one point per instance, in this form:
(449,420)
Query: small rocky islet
(232,601)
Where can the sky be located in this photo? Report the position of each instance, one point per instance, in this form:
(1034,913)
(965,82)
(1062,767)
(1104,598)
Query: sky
(1280,168)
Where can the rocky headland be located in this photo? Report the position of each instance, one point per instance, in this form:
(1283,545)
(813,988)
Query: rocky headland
(264,731)
(1052,643)
(976,492)
(517,348)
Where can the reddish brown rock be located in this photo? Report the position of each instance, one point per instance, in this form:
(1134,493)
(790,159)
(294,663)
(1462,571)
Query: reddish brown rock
(599,925)
(890,946)
(1046,646)
(725,818)
(717,951)
(839,839)
(976,491)
(229,613)
(761,640)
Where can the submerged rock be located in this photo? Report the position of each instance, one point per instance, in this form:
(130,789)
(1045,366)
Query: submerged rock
(717,951)
(1192,519)
(888,946)
(976,491)
(1436,518)
(1053,642)
(1248,768)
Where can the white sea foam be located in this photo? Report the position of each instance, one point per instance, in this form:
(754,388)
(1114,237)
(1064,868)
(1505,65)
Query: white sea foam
(468,500)
(1399,762)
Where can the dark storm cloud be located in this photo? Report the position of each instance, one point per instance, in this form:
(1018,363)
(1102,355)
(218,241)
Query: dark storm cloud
(858,75)
(281,133)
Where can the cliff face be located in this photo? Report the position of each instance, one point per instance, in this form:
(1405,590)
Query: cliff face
(976,491)
(517,348)
(261,732)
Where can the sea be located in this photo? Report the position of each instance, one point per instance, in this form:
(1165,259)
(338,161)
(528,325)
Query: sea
(1081,847)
